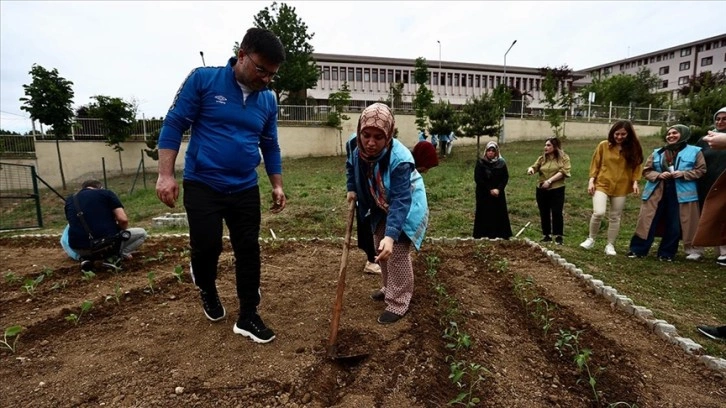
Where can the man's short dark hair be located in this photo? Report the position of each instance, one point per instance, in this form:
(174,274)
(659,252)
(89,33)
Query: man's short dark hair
(93,183)
(264,42)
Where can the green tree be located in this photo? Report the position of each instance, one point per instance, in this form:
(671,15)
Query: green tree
(117,116)
(502,98)
(443,118)
(299,72)
(395,95)
(424,97)
(706,95)
(480,116)
(49,99)
(557,96)
(338,102)
(626,89)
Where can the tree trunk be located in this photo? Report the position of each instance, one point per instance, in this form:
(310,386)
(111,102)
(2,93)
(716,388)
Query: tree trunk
(120,162)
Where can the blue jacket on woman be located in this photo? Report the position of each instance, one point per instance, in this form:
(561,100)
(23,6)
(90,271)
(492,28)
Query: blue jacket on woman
(686,190)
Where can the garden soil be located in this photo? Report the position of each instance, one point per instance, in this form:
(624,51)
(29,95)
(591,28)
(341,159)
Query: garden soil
(146,343)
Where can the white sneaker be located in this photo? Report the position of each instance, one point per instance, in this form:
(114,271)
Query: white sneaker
(693,257)
(372,268)
(588,243)
(610,250)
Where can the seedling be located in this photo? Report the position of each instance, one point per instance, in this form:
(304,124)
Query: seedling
(571,341)
(179,273)
(31,284)
(11,278)
(459,371)
(503,266)
(457,339)
(541,314)
(11,333)
(60,285)
(88,275)
(116,295)
(76,318)
(150,277)
(47,271)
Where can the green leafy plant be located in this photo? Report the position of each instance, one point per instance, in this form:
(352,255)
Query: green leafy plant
(179,273)
(151,278)
(568,340)
(460,371)
(541,314)
(11,278)
(456,339)
(76,318)
(116,295)
(10,337)
(88,275)
(48,272)
(31,284)
(60,285)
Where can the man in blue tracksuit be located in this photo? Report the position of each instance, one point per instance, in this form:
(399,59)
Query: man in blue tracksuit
(233,117)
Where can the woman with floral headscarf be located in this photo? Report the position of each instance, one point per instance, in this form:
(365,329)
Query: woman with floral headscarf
(670,198)
(382,178)
(491,219)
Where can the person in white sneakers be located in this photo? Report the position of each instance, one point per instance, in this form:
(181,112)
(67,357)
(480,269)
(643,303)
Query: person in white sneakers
(615,170)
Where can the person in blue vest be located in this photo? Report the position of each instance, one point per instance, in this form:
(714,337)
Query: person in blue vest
(382,177)
(669,205)
(233,117)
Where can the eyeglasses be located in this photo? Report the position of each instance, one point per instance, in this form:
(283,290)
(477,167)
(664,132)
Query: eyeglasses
(261,71)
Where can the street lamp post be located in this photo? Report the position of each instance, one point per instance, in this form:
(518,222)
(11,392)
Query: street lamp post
(504,109)
(440,73)
(201,53)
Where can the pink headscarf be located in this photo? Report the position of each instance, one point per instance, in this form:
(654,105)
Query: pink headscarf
(378,116)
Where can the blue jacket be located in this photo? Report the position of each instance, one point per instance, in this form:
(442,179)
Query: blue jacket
(227,132)
(686,160)
(408,211)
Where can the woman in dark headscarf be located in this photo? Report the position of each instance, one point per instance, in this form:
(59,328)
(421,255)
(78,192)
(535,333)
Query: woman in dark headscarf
(382,178)
(670,196)
(491,219)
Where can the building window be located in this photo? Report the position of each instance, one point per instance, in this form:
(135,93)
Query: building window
(478,81)
(658,59)
(685,52)
(335,73)
(608,70)
(390,76)
(350,74)
(456,79)
(342,74)
(326,73)
(684,66)
(706,61)
(436,79)
(367,75)
(406,77)
(374,75)
(664,84)
(683,80)
(359,74)
(664,70)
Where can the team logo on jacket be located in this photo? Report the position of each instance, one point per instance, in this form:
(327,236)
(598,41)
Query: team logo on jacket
(221,99)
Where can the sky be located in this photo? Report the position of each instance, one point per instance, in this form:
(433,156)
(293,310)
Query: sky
(143,50)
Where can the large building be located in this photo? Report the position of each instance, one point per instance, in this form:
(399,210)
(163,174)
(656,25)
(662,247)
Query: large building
(675,65)
(370,78)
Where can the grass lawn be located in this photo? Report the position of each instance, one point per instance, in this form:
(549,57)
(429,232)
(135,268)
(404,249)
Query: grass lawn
(684,293)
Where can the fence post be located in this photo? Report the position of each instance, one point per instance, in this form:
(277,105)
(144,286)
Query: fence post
(37,197)
(143,124)
(650,106)
(521,112)
(73,130)
(610,113)
(103,167)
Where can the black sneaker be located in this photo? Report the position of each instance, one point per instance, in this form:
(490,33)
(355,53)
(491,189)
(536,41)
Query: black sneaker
(86,266)
(632,254)
(721,260)
(213,308)
(254,328)
(558,240)
(665,259)
(546,238)
(388,318)
(711,332)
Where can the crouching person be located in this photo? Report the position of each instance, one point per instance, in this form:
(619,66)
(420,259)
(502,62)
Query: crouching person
(94,214)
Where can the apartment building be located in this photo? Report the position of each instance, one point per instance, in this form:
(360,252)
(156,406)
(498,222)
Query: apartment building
(675,65)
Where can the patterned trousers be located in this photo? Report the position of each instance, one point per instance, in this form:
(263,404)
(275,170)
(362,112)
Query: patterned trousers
(396,272)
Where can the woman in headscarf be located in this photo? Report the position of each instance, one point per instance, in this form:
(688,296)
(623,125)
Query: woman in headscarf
(382,178)
(670,199)
(491,219)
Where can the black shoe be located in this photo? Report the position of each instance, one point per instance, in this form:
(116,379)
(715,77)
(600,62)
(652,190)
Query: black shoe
(711,332)
(86,266)
(665,259)
(388,318)
(254,328)
(213,308)
(721,260)
(558,240)
(546,238)
(378,296)
(632,254)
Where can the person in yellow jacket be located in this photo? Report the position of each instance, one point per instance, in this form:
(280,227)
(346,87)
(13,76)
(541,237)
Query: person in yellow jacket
(614,173)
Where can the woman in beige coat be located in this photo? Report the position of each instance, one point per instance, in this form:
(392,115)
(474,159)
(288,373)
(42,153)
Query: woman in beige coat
(670,199)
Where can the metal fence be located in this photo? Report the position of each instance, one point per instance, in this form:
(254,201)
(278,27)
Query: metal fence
(19,198)
(601,113)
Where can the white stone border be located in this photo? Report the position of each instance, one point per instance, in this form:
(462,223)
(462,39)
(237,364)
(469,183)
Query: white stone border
(661,328)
